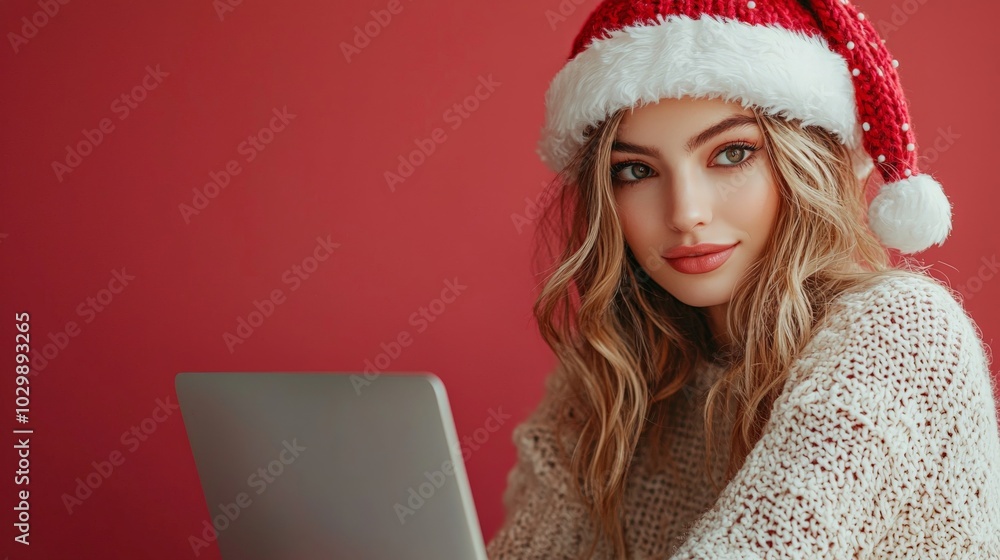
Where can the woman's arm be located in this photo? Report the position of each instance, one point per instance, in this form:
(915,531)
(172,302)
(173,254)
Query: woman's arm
(846,445)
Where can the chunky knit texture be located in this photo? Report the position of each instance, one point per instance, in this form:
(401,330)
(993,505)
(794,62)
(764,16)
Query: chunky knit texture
(883,444)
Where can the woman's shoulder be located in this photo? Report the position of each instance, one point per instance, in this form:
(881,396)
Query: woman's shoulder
(910,302)
(537,437)
(902,329)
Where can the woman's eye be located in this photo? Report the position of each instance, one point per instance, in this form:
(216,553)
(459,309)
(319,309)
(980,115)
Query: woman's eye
(733,155)
(637,172)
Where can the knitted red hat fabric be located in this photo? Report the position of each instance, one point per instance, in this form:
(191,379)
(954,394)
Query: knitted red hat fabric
(817,61)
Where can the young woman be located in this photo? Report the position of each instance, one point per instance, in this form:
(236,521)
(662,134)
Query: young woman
(743,372)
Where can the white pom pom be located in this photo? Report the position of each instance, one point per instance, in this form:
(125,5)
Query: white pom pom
(911,214)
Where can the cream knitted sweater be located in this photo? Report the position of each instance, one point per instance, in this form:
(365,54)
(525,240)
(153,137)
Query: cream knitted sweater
(883,444)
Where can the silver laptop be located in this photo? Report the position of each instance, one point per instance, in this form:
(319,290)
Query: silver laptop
(328,465)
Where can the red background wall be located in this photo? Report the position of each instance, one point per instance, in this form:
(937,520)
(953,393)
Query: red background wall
(63,233)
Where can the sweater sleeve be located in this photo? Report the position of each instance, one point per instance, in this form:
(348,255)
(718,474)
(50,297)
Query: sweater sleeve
(844,448)
(543,520)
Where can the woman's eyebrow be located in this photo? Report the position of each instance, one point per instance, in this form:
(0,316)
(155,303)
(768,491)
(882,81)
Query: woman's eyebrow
(716,129)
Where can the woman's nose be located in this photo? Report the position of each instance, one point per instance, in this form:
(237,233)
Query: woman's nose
(689,204)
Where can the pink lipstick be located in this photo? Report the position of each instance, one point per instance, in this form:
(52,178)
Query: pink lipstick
(699,259)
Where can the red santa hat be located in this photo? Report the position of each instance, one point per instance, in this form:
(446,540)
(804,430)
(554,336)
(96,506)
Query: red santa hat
(819,61)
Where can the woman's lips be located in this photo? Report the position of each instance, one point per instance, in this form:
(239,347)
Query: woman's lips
(702,263)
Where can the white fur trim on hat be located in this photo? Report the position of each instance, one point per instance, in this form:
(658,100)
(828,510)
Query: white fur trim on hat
(911,214)
(786,73)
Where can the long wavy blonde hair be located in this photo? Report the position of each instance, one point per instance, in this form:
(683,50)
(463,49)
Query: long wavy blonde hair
(628,348)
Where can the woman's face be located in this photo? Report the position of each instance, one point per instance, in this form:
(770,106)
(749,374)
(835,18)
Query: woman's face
(701,175)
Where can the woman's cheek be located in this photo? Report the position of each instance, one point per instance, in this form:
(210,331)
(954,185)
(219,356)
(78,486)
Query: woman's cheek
(633,213)
(746,189)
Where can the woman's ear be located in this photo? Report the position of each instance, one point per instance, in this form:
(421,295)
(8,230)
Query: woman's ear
(868,177)
(864,166)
